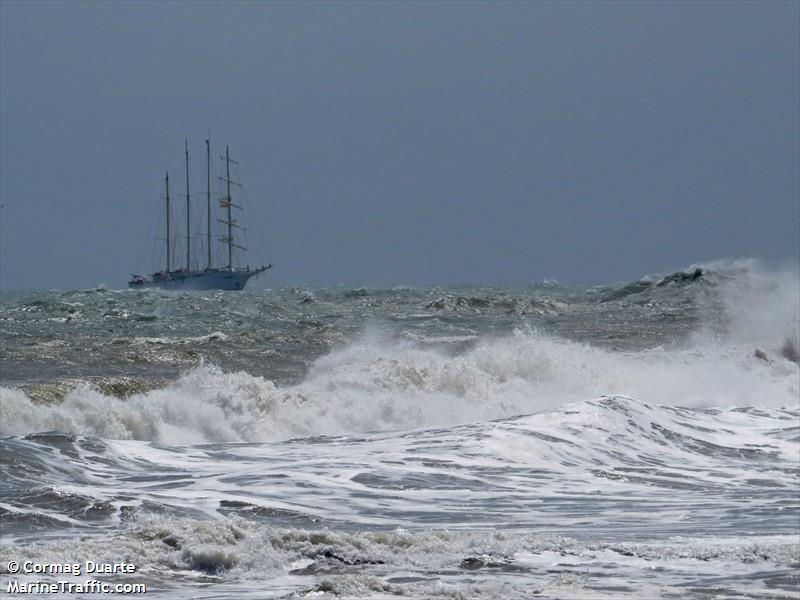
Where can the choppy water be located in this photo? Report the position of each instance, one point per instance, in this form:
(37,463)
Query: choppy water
(628,440)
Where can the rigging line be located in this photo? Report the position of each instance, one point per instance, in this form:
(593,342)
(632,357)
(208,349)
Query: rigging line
(254,215)
(237,176)
(147,256)
(218,253)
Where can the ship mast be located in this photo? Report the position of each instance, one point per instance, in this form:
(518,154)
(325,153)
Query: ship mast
(188,233)
(229,202)
(168,261)
(208,197)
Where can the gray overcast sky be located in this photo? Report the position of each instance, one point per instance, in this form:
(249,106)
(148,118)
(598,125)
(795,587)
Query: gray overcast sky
(405,143)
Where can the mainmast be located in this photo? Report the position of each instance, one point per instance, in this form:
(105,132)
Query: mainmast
(168,261)
(208,197)
(188,232)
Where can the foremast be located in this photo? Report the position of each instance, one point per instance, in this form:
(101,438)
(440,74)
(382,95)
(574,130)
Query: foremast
(168,240)
(208,199)
(188,204)
(227,203)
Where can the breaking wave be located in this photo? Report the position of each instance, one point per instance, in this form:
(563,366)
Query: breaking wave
(380,384)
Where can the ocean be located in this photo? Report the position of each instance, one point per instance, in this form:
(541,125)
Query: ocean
(625,440)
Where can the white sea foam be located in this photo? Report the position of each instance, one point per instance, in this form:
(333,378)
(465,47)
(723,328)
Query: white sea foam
(604,462)
(378,384)
(211,337)
(233,554)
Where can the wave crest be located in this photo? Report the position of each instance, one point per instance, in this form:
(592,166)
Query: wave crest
(379,384)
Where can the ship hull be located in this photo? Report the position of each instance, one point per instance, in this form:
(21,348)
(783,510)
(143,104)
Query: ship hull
(214,279)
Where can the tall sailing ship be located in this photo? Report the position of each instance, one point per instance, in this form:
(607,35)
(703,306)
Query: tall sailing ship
(222,277)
